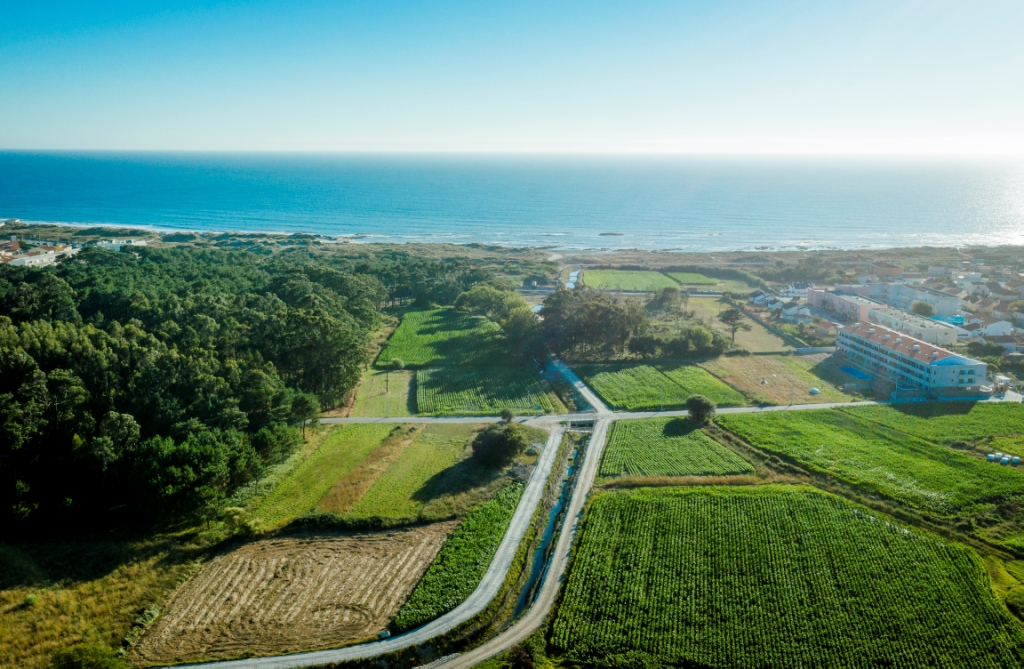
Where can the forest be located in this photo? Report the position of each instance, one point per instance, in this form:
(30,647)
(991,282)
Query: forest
(145,387)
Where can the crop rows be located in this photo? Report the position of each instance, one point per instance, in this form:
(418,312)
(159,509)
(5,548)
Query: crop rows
(667,447)
(772,576)
(462,562)
(882,460)
(948,421)
(637,387)
(444,337)
(480,391)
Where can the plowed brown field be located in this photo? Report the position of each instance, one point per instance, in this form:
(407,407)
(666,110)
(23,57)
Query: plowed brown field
(290,594)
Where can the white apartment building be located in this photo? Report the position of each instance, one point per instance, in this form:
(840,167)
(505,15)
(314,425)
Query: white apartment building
(903,296)
(116,244)
(918,327)
(908,362)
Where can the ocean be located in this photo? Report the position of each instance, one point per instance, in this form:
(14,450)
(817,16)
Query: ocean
(570,203)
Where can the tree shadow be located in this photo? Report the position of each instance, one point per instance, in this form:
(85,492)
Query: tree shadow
(679,427)
(934,409)
(461,477)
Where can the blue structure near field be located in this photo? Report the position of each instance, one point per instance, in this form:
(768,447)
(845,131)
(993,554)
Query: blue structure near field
(855,373)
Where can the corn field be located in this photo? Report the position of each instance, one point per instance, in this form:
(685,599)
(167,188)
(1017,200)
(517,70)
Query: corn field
(772,576)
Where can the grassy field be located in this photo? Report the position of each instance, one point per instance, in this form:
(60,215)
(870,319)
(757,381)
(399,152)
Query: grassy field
(462,562)
(85,592)
(435,478)
(758,340)
(788,377)
(946,422)
(617,279)
(637,386)
(699,282)
(397,401)
(667,447)
(777,576)
(693,279)
(444,337)
(879,459)
(341,451)
(483,391)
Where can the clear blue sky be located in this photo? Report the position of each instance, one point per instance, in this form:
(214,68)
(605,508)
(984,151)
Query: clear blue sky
(885,76)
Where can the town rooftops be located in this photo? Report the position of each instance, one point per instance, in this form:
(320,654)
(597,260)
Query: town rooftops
(911,318)
(860,299)
(901,343)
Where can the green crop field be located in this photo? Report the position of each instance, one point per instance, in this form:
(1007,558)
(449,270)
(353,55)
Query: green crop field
(948,421)
(385,393)
(617,279)
(433,478)
(637,387)
(483,391)
(462,562)
(772,576)
(882,460)
(667,447)
(444,337)
(340,452)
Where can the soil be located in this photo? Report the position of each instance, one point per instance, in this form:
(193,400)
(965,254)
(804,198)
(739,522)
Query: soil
(292,593)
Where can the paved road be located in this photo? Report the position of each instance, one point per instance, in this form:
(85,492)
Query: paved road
(474,604)
(545,600)
(589,415)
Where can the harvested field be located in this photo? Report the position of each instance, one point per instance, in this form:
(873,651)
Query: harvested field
(290,594)
(787,377)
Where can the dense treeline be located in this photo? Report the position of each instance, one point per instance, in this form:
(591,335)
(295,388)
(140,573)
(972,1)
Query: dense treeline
(154,383)
(592,324)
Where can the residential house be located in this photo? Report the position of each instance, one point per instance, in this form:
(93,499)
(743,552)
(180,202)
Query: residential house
(795,290)
(1007,342)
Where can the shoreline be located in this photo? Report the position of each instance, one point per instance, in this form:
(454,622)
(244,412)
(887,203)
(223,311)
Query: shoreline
(450,239)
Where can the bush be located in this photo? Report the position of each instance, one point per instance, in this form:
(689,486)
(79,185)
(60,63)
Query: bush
(507,415)
(87,656)
(922,308)
(397,363)
(702,410)
(498,445)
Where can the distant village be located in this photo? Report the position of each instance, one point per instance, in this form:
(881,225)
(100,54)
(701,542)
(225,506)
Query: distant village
(899,326)
(26,252)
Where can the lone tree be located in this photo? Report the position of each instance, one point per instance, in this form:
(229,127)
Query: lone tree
(922,308)
(498,445)
(507,415)
(702,410)
(732,318)
(305,408)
